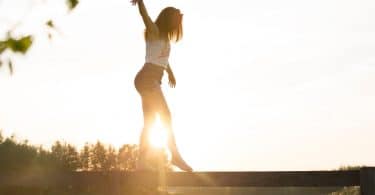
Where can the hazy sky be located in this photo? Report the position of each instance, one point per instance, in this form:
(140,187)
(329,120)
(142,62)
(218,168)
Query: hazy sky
(261,85)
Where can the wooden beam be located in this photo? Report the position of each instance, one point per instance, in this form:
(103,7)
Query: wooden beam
(266,179)
(239,179)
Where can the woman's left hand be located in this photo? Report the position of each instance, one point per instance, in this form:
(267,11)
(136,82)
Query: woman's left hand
(172,81)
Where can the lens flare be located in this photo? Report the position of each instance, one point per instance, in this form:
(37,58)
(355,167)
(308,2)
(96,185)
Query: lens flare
(158,135)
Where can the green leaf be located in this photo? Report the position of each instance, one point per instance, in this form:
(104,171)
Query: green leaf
(3,46)
(20,45)
(71,4)
(50,24)
(10,65)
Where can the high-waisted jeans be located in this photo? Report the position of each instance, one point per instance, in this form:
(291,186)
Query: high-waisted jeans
(148,84)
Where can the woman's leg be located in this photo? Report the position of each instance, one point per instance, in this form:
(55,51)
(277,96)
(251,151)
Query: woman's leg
(166,119)
(149,114)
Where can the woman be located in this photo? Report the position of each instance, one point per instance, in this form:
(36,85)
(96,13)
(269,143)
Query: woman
(158,35)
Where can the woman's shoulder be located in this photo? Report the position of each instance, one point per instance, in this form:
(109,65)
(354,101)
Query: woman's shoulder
(153,33)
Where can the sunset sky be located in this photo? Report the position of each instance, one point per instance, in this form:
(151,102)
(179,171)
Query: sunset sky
(261,85)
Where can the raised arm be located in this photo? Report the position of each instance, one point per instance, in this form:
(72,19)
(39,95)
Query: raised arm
(150,25)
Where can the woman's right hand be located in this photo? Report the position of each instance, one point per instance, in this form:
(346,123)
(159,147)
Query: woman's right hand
(134,2)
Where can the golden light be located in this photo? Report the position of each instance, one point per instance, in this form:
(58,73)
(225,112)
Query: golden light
(158,135)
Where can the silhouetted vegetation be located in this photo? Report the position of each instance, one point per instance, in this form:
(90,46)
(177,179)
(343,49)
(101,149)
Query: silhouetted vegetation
(350,168)
(20,156)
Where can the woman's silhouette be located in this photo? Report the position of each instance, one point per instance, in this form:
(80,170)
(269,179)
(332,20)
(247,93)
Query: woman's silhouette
(158,35)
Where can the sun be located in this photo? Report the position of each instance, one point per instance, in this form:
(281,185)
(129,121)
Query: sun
(158,135)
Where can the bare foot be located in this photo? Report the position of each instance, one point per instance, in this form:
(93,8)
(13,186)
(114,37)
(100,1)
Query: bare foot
(180,163)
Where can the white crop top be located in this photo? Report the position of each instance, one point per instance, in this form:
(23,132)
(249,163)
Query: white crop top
(157,52)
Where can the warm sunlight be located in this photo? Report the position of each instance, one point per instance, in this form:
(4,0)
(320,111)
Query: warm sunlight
(187,97)
(281,79)
(158,135)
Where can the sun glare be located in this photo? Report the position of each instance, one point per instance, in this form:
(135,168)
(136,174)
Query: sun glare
(158,135)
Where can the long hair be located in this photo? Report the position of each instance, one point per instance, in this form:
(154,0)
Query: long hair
(169,23)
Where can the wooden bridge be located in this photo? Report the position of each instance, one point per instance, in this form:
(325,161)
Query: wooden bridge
(112,182)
